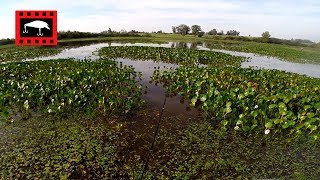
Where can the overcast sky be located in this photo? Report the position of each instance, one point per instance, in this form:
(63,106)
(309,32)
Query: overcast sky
(282,18)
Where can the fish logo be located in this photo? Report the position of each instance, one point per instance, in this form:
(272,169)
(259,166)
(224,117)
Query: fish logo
(36,24)
(36,28)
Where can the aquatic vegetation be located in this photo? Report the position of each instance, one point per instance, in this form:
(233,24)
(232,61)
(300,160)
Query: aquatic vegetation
(18,53)
(172,55)
(92,148)
(78,124)
(289,53)
(72,148)
(201,152)
(67,86)
(267,101)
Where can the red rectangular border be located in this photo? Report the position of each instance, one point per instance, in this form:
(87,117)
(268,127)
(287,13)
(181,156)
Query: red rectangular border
(37,41)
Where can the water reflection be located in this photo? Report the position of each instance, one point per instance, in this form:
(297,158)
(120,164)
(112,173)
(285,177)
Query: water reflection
(74,44)
(192,45)
(156,94)
(79,43)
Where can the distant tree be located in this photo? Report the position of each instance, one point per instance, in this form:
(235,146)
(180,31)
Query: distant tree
(77,34)
(213,32)
(174,29)
(220,33)
(183,29)
(303,41)
(159,32)
(200,34)
(109,30)
(195,29)
(6,41)
(265,36)
(233,33)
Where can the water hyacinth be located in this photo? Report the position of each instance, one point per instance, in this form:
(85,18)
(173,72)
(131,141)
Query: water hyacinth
(18,53)
(49,87)
(188,57)
(258,100)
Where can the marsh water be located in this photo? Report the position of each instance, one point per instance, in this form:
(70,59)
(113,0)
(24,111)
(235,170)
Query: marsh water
(83,51)
(155,95)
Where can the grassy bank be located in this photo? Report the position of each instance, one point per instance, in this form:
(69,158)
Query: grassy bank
(290,53)
(286,52)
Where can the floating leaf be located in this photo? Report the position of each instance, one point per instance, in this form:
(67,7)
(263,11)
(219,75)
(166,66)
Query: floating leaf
(203,98)
(229,104)
(193,101)
(268,125)
(272,106)
(228,110)
(224,122)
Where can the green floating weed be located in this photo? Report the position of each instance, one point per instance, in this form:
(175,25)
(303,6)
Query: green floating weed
(181,56)
(267,101)
(17,53)
(67,86)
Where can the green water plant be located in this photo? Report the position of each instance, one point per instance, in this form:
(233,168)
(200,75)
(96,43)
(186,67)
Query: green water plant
(75,148)
(18,53)
(66,86)
(265,101)
(183,56)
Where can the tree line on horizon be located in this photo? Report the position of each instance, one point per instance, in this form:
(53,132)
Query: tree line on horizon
(78,34)
(184,29)
(181,29)
(106,33)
